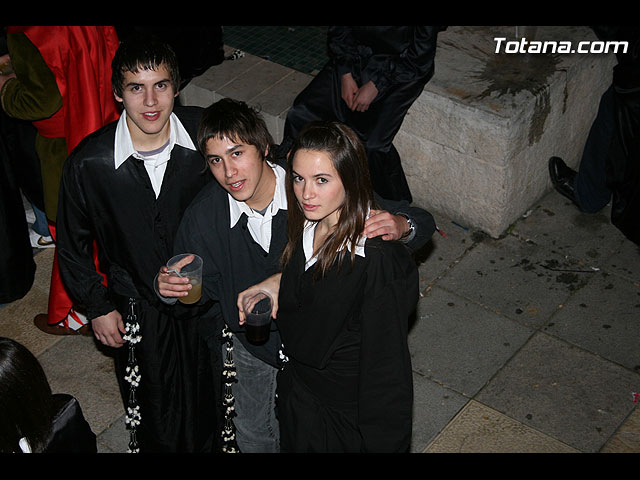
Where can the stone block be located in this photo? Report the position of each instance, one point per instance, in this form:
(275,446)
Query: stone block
(475,144)
(269,87)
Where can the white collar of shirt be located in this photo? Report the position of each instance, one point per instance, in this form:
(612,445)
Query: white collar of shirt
(124,144)
(156,164)
(307,244)
(23,443)
(260,225)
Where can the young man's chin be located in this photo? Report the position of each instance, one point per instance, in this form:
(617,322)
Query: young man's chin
(239,196)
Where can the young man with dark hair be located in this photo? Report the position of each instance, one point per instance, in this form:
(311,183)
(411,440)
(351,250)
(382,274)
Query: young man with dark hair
(238,225)
(128,185)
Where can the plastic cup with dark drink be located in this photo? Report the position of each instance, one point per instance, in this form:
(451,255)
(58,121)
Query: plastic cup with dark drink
(257,311)
(188,265)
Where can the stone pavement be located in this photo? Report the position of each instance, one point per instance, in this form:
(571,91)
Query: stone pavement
(525,343)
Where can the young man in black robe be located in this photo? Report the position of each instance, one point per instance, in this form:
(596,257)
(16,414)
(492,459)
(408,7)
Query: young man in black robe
(238,225)
(128,185)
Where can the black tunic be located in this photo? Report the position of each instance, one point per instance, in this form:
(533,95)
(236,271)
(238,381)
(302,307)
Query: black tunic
(135,234)
(347,384)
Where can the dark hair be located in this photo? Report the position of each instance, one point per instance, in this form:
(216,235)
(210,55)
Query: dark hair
(348,156)
(237,121)
(25,399)
(138,53)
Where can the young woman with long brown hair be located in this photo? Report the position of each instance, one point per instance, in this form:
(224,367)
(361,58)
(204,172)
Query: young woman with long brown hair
(344,302)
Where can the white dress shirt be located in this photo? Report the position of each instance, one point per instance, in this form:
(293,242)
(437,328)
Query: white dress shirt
(156,163)
(307,244)
(259,225)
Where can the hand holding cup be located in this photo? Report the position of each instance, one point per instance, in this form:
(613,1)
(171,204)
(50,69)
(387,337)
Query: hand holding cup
(257,309)
(182,278)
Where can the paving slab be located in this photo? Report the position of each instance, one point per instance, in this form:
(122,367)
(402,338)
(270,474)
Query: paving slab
(603,318)
(480,429)
(434,406)
(627,438)
(254,81)
(554,222)
(16,318)
(444,250)
(44,262)
(115,438)
(563,391)
(460,344)
(516,278)
(625,262)
(77,365)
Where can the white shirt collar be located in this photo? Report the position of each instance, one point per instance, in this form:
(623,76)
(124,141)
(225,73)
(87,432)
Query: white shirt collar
(307,244)
(23,443)
(123,147)
(236,208)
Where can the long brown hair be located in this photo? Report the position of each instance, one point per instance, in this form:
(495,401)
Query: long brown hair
(349,159)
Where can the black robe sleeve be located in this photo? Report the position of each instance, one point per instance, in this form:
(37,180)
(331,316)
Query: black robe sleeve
(386,385)
(75,246)
(197,234)
(386,55)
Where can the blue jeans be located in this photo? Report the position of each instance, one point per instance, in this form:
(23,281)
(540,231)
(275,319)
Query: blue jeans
(257,429)
(40,226)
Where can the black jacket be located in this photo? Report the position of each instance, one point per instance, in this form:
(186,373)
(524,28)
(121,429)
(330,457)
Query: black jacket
(384,55)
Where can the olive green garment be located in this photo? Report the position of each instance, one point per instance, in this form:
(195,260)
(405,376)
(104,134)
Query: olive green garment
(33,96)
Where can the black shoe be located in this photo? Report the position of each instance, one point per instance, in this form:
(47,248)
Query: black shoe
(563,178)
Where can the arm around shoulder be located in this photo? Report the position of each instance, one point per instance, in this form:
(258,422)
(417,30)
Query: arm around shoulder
(420,219)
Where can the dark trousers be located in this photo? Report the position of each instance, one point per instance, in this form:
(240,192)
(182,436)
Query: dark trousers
(592,191)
